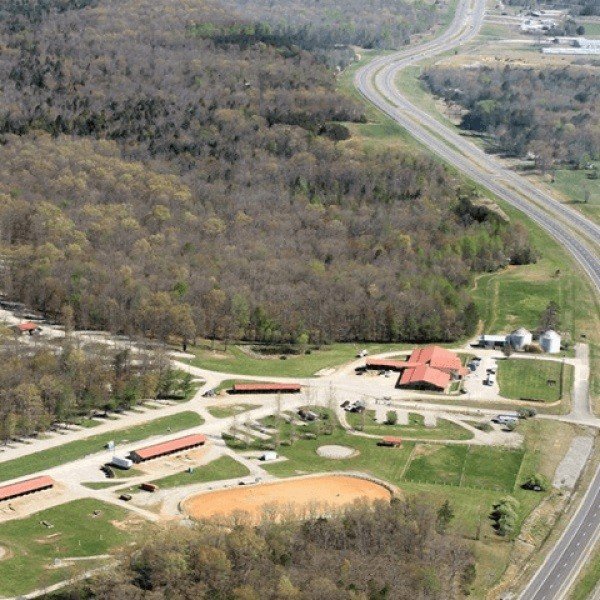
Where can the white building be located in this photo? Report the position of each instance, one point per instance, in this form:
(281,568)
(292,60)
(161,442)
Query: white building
(550,342)
(491,341)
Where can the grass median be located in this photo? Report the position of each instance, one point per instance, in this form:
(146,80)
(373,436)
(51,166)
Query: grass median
(46,459)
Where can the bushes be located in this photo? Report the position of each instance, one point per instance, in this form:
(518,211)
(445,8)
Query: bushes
(391,417)
(537,483)
(504,514)
(483,426)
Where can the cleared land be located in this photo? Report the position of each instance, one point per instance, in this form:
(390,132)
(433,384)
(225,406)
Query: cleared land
(53,457)
(76,532)
(236,360)
(316,494)
(539,380)
(223,467)
(222,412)
(444,430)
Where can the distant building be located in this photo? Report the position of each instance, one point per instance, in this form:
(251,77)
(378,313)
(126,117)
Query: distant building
(550,342)
(23,488)
(27,327)
(265,388)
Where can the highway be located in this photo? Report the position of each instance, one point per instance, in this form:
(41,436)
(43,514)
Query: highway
(581,237)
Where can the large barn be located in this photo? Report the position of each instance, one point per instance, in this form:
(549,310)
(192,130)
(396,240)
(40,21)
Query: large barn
(430,368)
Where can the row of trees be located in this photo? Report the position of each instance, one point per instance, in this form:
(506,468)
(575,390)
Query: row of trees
(550,112)
(43,383)
(398,550)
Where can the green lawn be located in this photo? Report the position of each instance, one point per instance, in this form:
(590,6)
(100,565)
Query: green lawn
(223,467)
(445,430)
(70,451)
(75,532)
(575,186)
(222,412)
(234,360)
(524,379)
(492,468)
(437,464)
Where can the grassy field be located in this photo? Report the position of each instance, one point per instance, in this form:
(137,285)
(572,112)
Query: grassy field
(222,412)
(223,467)
(445,430)
(70,451)
(524,379)
(235,360)
(75,532)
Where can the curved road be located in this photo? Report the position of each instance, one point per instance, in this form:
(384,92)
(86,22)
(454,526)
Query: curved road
(581,237)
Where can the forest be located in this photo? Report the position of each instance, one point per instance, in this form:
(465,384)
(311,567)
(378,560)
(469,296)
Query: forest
(398,550)
(323,26)
(552,113)
(43,383)
(182,182)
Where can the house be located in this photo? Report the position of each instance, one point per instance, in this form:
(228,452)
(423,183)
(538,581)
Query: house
(22,488)
(157,450)
(265,388)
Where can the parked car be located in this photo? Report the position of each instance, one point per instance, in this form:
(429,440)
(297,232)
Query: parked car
(125,497)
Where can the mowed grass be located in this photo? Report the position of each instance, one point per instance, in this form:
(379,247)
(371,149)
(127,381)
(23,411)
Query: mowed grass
(492,468)
(589,578)
(581,191)
(223,467)
(222,412)
(437,464)
(525,379)
(45,459)
(235,360)
(76,532)
(444,430)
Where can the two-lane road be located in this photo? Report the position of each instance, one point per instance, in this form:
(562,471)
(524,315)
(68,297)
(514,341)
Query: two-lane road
(579,236)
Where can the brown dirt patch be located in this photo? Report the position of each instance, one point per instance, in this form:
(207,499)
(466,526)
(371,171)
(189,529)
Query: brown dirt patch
(307,496)
(4,553)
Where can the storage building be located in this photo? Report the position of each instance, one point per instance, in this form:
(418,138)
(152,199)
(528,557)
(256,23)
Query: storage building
(265,388)
(166,448)
(29,486)
(550,342)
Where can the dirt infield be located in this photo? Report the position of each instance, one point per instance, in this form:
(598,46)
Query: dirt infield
(307,496)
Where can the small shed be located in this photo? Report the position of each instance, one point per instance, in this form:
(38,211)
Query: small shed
(27,327)
(390,441)
(269,455)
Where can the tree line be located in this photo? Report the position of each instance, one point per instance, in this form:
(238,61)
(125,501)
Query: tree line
(550,112)
(44,383)
(398,550)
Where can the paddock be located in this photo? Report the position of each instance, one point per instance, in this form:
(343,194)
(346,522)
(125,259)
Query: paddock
(307,496)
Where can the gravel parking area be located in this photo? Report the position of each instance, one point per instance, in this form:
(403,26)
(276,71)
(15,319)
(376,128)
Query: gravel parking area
(571,465)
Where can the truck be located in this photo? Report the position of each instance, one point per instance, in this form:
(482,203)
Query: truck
(491,379)
(121,462)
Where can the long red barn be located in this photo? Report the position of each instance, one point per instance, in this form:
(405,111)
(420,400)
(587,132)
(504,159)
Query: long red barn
(265,388)
(166,448)
(29,486)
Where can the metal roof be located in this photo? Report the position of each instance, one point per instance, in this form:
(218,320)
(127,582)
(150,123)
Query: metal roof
(182,443)
(25,487)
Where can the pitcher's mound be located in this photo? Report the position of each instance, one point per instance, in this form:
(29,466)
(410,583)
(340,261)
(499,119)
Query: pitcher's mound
(336,452)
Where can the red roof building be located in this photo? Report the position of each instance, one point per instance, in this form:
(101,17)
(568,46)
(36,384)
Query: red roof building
(391,441)
(423,377)
(166,448)
(435,357)
(385,364)
(27,327)
(29,486)
(265,388)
